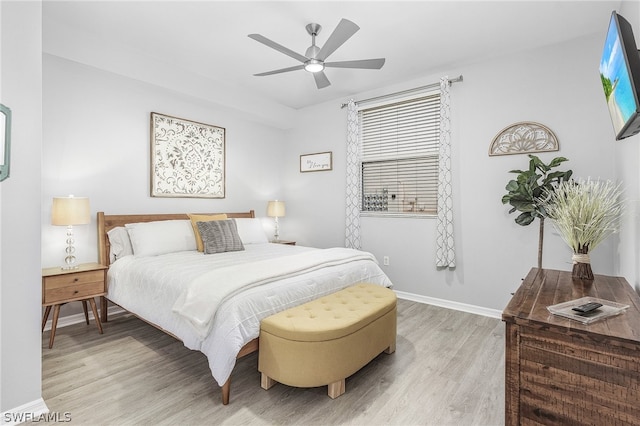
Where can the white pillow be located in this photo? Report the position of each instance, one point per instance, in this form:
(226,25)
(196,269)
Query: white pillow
(160,237)
(120,243)
(251,231)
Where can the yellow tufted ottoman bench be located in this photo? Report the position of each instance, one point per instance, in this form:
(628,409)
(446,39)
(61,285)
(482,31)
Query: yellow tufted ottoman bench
(327,340)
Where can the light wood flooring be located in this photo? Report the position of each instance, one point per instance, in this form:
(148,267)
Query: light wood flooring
(448,369)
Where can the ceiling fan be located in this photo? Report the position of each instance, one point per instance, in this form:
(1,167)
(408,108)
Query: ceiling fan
(314,58)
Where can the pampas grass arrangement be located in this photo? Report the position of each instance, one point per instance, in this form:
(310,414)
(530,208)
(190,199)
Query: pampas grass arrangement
(585,213)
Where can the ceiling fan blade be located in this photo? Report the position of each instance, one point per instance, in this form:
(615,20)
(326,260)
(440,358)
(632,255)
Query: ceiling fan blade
(373,64)
(321,80)
(278,47)
(297,67)
(342,33)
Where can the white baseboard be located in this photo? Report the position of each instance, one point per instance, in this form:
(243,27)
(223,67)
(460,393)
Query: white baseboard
(472,309)
(33,411)
(78,318)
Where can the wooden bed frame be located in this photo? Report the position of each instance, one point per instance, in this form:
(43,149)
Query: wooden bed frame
(108,222)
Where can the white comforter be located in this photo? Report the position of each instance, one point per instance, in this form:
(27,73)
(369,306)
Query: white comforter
(151,286)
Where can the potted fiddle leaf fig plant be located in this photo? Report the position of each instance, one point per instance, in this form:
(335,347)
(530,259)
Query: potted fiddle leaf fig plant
(529,190)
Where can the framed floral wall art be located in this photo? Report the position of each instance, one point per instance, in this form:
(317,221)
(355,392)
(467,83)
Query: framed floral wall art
(187,158)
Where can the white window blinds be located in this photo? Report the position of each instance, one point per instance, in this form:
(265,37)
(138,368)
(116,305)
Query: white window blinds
(399,143)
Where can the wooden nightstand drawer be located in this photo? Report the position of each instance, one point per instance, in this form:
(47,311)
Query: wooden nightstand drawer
(72,286)
(76,291)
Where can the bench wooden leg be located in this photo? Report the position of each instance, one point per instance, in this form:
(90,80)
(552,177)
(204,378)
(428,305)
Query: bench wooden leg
(266,382)
(336,389)
(391,349)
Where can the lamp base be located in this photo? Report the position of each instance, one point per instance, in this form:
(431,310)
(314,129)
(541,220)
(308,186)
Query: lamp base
(70,259)
(276,233)
(69,267)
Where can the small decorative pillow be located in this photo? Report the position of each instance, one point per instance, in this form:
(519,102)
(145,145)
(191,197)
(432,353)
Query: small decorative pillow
(195,218)
(220,236)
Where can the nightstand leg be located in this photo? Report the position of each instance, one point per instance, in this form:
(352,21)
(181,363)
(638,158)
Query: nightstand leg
(94,308)
(45,317)
(54,324)
(86,313)
(103,308)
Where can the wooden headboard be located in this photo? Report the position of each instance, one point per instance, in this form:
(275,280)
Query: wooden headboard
(108,222)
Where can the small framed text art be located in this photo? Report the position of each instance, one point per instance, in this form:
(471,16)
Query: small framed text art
(318,162)
(187,158)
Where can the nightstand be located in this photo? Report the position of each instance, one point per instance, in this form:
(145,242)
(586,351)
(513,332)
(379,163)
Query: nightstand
(60,286)
(289,243)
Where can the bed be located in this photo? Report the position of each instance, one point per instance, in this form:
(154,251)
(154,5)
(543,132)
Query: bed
(213,300)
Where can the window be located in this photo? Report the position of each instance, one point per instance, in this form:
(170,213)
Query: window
(399,148)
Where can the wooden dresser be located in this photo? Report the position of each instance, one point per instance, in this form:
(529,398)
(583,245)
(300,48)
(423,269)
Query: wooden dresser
(560,371)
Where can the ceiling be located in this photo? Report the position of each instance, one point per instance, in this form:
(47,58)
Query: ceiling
(417,38)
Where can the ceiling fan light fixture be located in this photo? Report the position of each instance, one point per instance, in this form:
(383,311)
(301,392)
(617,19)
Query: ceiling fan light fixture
(313,61)
(314,65)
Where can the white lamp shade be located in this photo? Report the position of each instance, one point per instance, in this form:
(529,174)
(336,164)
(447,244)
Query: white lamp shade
(70,211)
(275,209)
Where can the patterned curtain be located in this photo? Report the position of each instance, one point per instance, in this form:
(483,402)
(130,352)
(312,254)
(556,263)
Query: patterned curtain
(445,252)
(352,231)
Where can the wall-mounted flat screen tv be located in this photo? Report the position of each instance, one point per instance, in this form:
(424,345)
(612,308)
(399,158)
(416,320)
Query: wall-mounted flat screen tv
(620,74)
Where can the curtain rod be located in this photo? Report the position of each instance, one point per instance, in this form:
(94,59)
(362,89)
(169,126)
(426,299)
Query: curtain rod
(428,86)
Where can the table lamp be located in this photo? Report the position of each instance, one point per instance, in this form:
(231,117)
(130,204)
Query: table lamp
(69,211)
(276,209)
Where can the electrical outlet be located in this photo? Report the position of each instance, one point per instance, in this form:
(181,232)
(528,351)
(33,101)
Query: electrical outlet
(385,260)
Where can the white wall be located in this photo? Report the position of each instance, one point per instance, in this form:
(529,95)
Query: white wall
(557,86)
(315,200)
(627,154)
(111,55)
(20,288)
(96,144)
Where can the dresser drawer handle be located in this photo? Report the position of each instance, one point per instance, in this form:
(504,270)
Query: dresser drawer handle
(75,280)
(75,291)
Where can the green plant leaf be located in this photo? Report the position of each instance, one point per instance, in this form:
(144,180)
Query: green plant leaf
(557,176)
(525,219)
(567,175)
(536,163)
(512,186)
(557,161)
(523,206)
